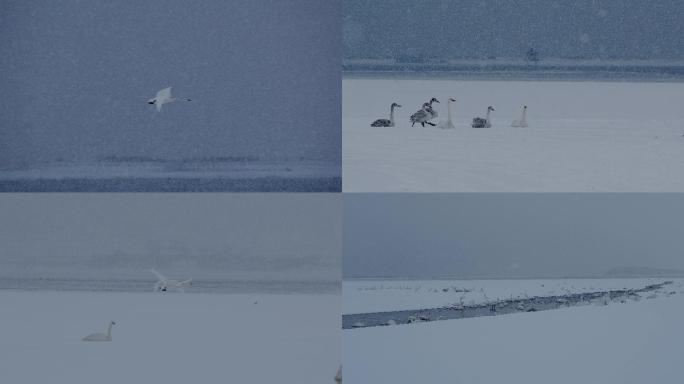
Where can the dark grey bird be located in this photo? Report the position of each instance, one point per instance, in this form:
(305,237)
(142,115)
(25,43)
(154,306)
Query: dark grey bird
(386,122)
(423,116)
(479,122)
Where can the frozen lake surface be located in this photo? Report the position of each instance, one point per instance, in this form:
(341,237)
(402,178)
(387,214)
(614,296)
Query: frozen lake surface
(582,137)
(169,338)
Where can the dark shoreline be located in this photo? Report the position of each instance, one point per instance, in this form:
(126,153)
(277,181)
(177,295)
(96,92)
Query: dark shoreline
(500,307)
(171,184)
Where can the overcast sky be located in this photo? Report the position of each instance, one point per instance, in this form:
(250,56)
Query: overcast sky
(296,234)
(264,77)
(508,28)
(510,235)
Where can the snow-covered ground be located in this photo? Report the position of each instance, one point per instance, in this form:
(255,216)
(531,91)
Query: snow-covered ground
(634,342)
(582,136)
(169,338)
(363,296)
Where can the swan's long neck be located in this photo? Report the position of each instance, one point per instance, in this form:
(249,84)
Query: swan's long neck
(449,111)
(488,112)
(109,331)
(524,118)
(392,114)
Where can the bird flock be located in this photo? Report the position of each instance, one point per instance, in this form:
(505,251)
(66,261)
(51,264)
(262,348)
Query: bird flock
(427,113)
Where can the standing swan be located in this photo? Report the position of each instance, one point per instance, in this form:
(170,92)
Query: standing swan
(164,97)
(423,115)
(479,122)
(385,122)
(448,124)
(432,111)
(522,122)
(101,336)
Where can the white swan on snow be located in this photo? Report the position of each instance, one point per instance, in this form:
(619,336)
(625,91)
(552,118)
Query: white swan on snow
(101,336)
(448,124)
(522,122)
(164,97)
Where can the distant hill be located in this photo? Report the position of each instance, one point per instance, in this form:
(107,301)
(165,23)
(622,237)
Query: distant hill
(643,272)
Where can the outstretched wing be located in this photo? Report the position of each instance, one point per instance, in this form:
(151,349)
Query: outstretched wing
(159,276)
(164,94)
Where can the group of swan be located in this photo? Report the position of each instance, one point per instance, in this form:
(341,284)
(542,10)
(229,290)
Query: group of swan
(101,336)
(164,97)
(427,113)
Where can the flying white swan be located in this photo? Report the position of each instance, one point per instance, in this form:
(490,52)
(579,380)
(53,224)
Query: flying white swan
(163,284)
(479,122)
(385,122)
(423,116)
(448,124)
(101,336)
(164,97)
(522,122)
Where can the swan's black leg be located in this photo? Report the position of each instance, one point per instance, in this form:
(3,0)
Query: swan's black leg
(423,124)
(433,124)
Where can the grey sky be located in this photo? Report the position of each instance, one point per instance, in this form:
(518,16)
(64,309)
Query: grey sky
(264,77)
(507,28)
(510,235)
(291,235)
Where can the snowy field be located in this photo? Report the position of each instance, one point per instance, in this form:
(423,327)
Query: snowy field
(582,136)
(169,338)
(174,176)
(632,342)
(362,296)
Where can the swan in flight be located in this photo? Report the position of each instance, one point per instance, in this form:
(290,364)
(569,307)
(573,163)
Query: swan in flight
(164,97)
(522,122)
(163,284)
(385,122)
(479,122)
(423,116)
(101,336)
(448,124)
